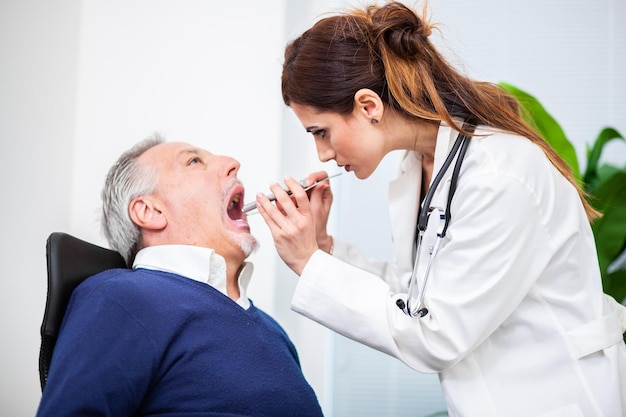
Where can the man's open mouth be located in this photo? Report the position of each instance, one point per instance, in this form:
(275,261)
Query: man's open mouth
(235,206)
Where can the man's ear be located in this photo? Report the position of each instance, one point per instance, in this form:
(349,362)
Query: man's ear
(368,104)
(145,213)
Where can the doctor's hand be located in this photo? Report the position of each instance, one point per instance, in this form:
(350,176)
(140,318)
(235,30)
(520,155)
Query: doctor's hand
(291,222)
(321,198)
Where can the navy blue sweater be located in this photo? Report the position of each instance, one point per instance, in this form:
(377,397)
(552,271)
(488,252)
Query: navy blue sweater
(150,343)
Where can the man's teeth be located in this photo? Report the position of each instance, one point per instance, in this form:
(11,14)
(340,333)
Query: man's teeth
(234,202)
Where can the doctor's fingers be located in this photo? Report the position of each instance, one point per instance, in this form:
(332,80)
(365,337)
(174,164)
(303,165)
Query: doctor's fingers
(297,202)
(273,215)
(315,176)
(294,237)
(321,195)
(284,213)
(321,200)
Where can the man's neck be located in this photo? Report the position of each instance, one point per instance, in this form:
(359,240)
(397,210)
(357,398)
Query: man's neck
(233,269)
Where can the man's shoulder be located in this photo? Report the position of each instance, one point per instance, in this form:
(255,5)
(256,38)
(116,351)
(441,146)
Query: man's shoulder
(110,277)
(144,294)
(121,281)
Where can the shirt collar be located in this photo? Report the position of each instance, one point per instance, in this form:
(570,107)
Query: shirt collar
(194,262)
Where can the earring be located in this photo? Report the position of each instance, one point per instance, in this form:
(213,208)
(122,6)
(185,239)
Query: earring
(374,121)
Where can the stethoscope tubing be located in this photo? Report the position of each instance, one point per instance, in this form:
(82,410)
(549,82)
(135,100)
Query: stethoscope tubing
(413,306)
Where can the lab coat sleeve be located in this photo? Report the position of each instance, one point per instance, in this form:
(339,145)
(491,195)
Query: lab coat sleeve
(351,254)
(347,299)
(498,245)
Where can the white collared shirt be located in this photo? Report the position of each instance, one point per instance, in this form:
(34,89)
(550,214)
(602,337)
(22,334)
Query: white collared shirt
(197,263)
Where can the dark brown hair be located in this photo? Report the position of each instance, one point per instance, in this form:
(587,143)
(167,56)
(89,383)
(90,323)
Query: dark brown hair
(387,49)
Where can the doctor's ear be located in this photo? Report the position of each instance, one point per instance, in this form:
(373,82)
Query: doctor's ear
(145,213)
(368,104)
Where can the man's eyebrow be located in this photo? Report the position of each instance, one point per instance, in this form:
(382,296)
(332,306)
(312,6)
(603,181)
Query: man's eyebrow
(193,151)
(310,128)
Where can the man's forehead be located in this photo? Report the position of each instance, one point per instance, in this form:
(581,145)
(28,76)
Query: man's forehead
(172,150)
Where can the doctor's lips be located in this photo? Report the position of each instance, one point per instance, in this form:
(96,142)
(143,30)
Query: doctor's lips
(252,205)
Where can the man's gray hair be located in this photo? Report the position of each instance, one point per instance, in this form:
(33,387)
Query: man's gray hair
(127,179)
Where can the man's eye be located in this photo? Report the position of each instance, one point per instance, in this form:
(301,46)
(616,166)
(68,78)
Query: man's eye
(195,160)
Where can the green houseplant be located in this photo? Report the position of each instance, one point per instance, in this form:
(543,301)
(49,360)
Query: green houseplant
(604,183)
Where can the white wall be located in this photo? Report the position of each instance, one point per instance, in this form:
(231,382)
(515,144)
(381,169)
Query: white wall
(569,54)
(82,80)
(38,71)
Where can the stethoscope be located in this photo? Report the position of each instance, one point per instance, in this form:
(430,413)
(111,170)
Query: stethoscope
(415,299)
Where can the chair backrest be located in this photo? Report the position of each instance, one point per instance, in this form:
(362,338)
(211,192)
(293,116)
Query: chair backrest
(70,261)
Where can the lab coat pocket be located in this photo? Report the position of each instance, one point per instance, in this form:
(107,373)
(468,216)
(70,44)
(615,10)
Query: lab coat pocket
(572,410)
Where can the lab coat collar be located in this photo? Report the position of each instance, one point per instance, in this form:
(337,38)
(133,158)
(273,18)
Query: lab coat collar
(446,137)
(197,263)
(405,197)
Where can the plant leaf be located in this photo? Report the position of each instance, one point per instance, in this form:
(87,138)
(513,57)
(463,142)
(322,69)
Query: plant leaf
(618,263)
(593,155)
(602,174)
(610,229)
(539,118)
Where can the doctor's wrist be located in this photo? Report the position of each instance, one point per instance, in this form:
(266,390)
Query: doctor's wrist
(328,244)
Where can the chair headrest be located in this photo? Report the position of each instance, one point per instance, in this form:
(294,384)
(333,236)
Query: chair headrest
(70,261)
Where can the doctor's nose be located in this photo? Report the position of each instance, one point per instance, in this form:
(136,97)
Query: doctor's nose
(325,152)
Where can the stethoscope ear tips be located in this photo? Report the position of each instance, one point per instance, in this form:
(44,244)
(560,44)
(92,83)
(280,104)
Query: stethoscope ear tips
(400,304)
(422,312)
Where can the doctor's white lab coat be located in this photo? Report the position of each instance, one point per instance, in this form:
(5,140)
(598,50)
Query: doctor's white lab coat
(518,324)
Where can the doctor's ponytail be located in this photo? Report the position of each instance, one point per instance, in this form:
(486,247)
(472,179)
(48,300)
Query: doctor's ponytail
(388,50)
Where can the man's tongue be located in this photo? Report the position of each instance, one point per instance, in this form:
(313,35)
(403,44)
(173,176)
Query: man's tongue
(234,211)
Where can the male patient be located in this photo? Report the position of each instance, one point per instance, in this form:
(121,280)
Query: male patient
(175,335)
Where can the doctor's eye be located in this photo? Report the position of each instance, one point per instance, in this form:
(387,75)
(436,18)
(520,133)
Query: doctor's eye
(321,133)
(194,160)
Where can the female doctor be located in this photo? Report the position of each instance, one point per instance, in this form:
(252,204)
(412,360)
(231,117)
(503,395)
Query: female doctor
(499,290)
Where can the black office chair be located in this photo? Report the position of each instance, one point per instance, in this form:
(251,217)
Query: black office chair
(70,261)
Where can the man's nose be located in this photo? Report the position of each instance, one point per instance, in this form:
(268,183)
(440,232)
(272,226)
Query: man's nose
(231,166)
